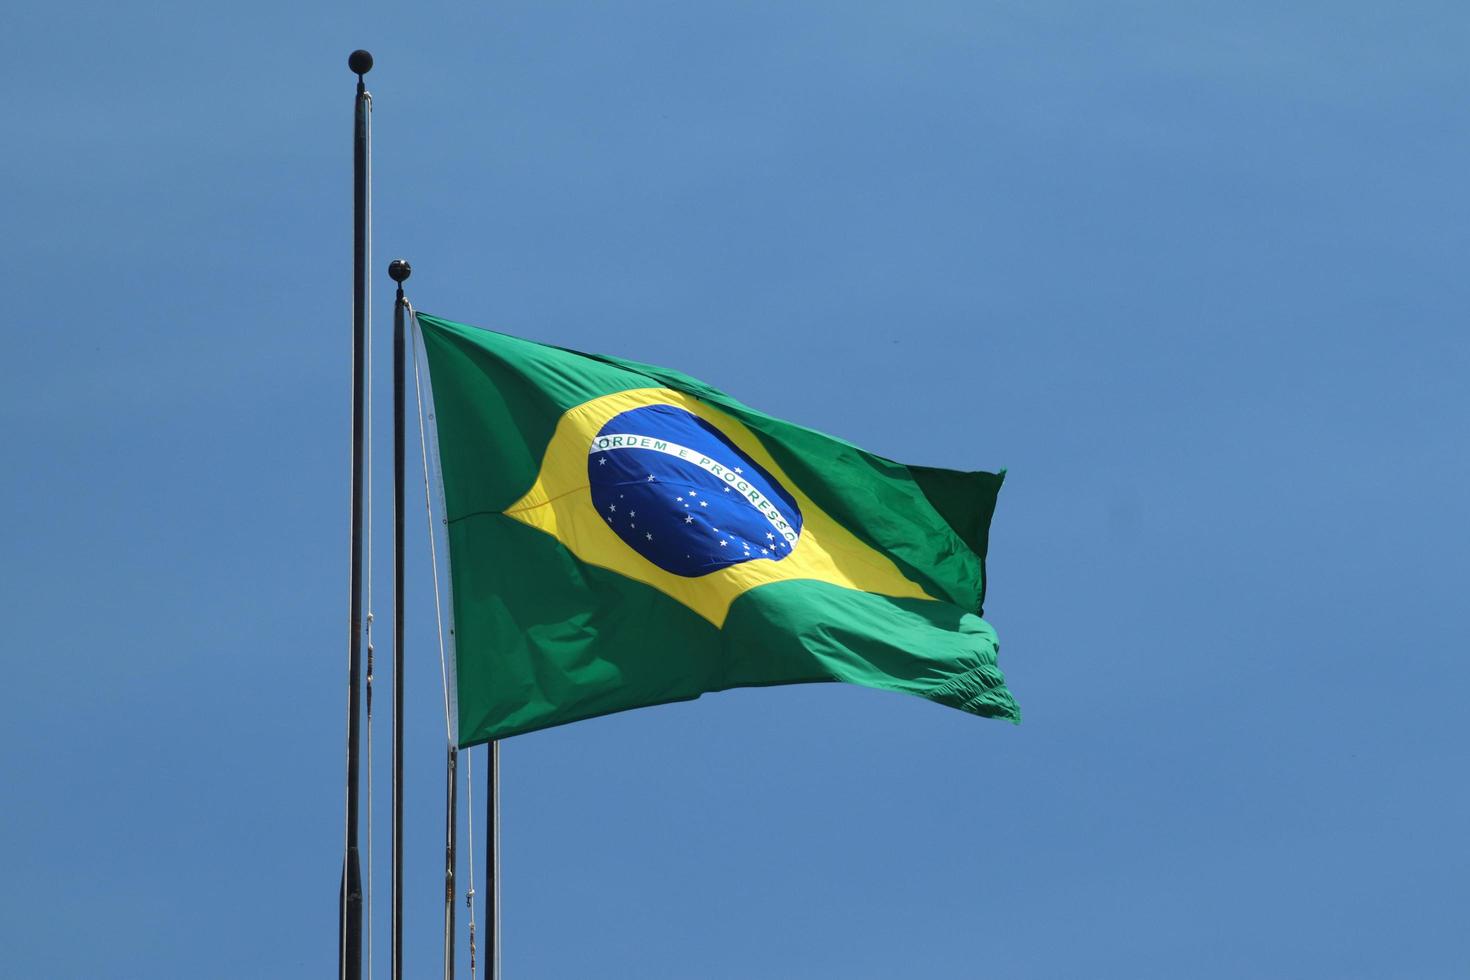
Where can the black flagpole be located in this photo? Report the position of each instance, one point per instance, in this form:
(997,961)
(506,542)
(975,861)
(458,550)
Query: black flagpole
(349,926)
(399,271)
(492,860)
(451,823)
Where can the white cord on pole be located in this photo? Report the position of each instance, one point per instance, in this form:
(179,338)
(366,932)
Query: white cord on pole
(469,895)
(429,515)
(439,626)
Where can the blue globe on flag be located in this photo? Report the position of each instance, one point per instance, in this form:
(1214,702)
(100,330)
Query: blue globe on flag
(677,491)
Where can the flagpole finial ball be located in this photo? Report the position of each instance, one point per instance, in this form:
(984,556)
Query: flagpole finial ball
(360,61)
(399,270)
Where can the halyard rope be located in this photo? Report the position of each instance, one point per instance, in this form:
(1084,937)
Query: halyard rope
(439,625)
(429,515)
(469,896)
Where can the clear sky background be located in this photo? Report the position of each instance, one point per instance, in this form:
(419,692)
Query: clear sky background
(1195,273)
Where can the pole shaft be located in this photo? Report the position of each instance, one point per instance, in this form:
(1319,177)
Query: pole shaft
(350,911)
(451,823)
(492,861)
(399,414)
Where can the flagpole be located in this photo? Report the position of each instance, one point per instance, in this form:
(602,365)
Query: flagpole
(492,859)
(349,925)
(451,825)
(398,271)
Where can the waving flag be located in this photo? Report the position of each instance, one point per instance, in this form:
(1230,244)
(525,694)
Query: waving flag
(622,535)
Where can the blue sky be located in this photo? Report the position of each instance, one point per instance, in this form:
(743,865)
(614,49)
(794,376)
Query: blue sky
(1193,272)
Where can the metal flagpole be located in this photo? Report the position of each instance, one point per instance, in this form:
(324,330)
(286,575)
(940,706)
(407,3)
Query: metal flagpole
(451,823)
(492,861)
(399,271)
(349,925)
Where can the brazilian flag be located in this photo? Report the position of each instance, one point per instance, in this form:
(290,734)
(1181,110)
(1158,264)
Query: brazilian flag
(623,535)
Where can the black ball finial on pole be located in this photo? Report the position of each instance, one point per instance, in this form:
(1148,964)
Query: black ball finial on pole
(399,270)
(360,62)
